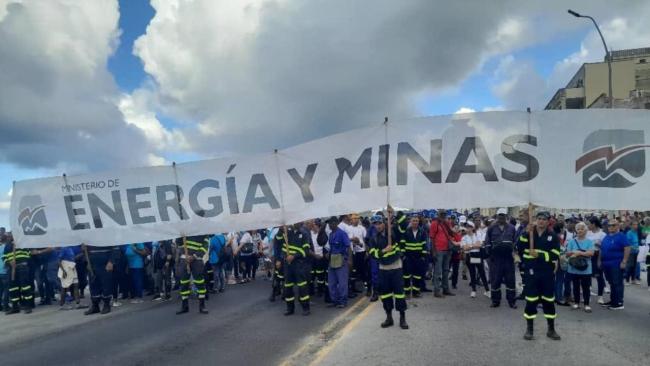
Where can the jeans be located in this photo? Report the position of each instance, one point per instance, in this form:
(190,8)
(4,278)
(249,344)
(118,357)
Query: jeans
(559,285)
(137,280)
(441,271)
(219,279)
(614,276)
(630,270)
(598,273)
(581,282)
(337,279)
(163,280)
(248,261)
(4,290)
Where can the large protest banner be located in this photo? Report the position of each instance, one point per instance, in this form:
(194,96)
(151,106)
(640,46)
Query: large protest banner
(588,159)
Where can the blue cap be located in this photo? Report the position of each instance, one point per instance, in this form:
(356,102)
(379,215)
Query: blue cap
(376,219)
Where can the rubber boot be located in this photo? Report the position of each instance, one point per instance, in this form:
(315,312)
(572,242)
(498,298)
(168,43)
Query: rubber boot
(107,306)
(185,307)
(389,320)
(202,309)
(530,324)
(290,309)
(305,308)
(402,320)
(551,330)
(94,308)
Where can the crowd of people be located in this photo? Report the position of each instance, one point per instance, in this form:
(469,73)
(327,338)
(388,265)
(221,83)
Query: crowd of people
(389,256)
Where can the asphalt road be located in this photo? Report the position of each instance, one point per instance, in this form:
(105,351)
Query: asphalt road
(242,328)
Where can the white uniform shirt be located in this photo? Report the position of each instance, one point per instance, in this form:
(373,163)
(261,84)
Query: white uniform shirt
(318,250)
(596,237)
(358,232)
(469,240)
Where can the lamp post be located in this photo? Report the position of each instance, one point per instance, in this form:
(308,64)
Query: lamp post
(608,57)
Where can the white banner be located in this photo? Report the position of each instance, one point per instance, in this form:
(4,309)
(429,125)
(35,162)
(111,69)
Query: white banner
(588,159)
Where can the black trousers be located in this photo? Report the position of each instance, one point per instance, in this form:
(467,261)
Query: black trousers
(476,269)
(358,270)
(296,274)
(82,274)
(540,287)
(502,271)
(101,282)
(197,277)
(391,289)
(21,289)
(413,273)
(278,280)
(208,274)
(581,282)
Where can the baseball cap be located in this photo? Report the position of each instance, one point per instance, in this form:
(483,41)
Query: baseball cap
(462,219)
(502,211)
(470,224)
(376,219)
(543,214)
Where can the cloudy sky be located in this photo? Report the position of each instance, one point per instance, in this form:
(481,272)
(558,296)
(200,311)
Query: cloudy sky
(104,84)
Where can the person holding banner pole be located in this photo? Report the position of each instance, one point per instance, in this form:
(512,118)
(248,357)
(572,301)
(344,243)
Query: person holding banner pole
(297,249)
(539,249)
(190,268)
(101,261)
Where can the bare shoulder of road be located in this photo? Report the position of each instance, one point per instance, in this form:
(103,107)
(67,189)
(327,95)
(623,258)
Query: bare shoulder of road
(463,331)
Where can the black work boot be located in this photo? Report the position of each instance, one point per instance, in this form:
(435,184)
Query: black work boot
(94,308)
(202,309)
(551,330)
(374,296)
(27,309)
(290,309)
(402,320)
(389,320)
(185,307)
(107,306)
(14,308)
(529,329)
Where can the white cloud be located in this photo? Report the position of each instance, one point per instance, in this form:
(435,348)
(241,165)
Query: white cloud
(464,110)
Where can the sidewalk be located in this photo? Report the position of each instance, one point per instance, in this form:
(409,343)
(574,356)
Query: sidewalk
(48,319)
(463,331)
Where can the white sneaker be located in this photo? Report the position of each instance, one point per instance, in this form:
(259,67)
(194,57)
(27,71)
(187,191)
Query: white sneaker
(575,306)
(601,300)
(607,290)
(637,282)
(472,294)
(117,304)
(487,294)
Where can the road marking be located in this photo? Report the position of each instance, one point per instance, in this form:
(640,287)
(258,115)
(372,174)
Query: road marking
(328,328)
(345,331)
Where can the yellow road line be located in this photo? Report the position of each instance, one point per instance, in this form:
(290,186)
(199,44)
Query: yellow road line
(347,329)
(329,325)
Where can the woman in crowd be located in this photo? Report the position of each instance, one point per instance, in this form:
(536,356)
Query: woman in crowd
(580,247)
(596,235)
(246,252)
(471,246)
(135,254)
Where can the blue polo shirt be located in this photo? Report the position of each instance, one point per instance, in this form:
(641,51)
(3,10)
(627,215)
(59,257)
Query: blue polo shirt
(65,254)
(339,242)
(612,248)
(216,243)
(135,260)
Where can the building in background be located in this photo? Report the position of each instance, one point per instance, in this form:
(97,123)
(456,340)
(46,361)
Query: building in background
(588,87)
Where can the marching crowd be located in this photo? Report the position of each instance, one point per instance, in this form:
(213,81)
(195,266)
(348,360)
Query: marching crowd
(388,256)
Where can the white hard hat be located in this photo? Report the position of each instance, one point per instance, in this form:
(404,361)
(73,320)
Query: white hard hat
(502,211)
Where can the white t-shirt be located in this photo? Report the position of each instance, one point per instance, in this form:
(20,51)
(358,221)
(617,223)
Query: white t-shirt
(596,237)
(480,234)
(358,232)
(318,250)
(469,240)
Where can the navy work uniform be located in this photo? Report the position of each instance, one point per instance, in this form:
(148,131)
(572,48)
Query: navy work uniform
(391,282)
(500,243)
(101,278)
(540,278)
(298,271)
(196,249)
(21,291)
(415,256)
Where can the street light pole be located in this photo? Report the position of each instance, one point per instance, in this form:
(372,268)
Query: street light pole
(610,99)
